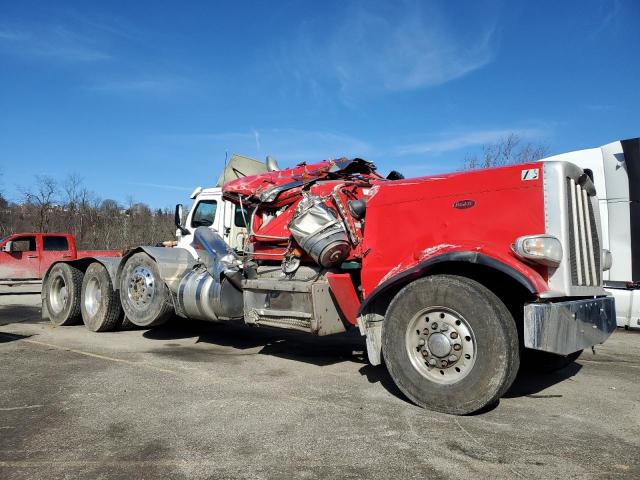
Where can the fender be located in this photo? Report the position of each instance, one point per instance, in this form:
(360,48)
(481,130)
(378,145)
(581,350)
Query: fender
(411,269)
(110,263)
(173,263)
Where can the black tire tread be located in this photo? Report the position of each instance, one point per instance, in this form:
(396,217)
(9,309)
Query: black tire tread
(74,315)
(112,317)
(461,283)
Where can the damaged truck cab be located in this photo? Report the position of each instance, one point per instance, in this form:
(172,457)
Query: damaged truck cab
(454,279)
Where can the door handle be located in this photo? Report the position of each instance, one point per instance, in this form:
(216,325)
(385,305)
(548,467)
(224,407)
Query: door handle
(32,256)
(66,256)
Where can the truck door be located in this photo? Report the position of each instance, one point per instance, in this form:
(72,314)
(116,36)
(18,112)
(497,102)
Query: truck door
(54,248)
(19,258)
(238,228)
(204,214)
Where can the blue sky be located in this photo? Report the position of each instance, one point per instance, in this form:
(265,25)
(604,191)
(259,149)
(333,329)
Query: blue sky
(144,98)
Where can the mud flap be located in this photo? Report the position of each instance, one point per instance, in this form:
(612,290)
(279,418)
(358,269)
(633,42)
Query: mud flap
(371,326)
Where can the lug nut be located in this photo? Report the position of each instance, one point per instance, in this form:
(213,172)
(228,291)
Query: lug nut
(432,362)
(434,325)
(452,358)
(457,347)
(445,327)
(454,335)
(443,363)
(425,353)
(421,342)
(425,331)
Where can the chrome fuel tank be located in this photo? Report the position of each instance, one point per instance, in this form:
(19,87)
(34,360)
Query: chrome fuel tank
(202,297)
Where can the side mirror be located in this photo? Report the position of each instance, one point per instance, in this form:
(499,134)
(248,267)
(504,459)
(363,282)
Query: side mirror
(178,215)
(178,219)
(7,247)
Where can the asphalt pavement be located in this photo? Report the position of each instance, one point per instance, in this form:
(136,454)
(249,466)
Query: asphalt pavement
(198,400)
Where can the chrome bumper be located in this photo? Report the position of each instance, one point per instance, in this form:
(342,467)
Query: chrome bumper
(566,327)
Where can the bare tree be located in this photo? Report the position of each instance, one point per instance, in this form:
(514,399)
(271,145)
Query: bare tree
(70,207)
(506,151)
(42,197)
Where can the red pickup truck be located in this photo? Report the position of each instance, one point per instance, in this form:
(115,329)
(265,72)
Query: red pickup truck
(29,255)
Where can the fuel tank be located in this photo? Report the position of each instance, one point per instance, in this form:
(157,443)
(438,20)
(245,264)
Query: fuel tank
(203,297)
(207,292)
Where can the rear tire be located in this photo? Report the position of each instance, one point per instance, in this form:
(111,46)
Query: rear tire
(127,324)
(450,344)
(100,305)
(143,295)
(62,294)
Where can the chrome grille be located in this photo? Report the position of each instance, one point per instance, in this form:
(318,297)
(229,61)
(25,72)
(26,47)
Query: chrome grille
(584,245)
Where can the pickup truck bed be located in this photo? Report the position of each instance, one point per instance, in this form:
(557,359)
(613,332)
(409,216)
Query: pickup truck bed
(29,255)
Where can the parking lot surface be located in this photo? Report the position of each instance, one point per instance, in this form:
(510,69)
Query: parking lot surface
(198,400)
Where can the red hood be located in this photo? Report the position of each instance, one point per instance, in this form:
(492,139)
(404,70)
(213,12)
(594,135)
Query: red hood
(257,187)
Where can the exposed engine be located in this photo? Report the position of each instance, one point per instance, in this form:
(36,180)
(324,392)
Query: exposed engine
(310,215)
(320,232)
(305,222)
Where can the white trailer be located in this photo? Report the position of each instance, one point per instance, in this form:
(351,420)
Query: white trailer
(615,170)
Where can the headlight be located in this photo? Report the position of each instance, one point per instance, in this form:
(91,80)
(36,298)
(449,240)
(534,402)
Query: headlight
(544,249)
(607,259)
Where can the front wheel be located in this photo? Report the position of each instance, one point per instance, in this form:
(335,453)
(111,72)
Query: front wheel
(144,296)
(450,344)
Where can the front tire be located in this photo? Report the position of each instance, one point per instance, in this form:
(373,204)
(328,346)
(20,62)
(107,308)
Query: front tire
(143,295)
(62,294)
(450,344)
(100,305)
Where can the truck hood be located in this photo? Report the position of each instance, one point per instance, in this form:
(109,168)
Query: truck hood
(265,187)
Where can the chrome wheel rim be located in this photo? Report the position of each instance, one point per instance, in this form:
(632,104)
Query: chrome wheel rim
(58,294)
(92,297)
(441,345)
(141,287)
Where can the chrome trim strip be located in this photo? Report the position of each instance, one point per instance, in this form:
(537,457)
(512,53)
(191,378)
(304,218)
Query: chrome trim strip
(576,234)
(587,220)
(583,238)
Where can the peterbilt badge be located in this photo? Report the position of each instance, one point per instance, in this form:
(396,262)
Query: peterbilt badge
(462,204)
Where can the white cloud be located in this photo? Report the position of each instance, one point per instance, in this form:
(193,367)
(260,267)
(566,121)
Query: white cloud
(157,85)
(607,15)
(12,35)
(377,48)
(53,42)
(286,145)
(458,141)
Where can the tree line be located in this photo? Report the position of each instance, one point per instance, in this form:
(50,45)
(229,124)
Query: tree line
(69,207)
(509,150)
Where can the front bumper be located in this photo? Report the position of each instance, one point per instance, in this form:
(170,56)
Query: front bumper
(566,327)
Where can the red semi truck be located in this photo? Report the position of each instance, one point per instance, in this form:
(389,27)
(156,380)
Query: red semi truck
(453,279)
(27,256)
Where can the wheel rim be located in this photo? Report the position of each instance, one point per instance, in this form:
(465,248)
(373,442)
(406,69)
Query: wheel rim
(92,297)
(58,294)
(141,287)
(441,345)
